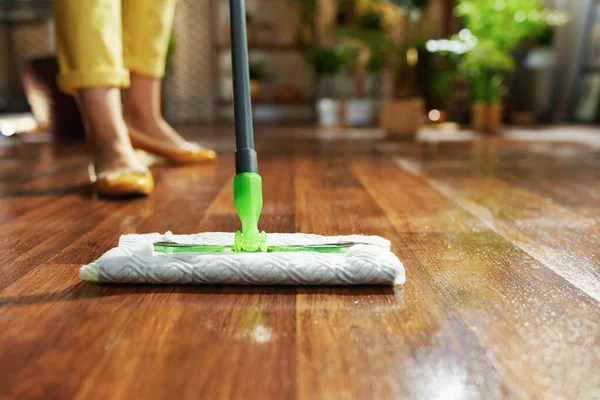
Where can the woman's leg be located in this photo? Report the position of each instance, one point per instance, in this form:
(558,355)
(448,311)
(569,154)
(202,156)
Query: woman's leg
(147,26)
(109,139)
(89,47)
(142,110)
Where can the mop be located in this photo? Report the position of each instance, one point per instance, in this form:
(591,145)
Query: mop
(248,257)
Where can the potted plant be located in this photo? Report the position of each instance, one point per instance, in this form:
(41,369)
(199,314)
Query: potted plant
(358,109)
(326,63)
(366,50)
(497,31)
(375,67)
(484,67)
(257,76)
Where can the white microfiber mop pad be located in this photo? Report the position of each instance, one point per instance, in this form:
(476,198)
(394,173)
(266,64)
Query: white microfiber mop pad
(134,261)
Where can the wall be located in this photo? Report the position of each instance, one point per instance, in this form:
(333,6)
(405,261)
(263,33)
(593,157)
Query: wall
(190,85)
(17,43)
(569,45)
(5,62)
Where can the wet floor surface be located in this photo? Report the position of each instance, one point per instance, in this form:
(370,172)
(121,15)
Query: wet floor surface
(499,237)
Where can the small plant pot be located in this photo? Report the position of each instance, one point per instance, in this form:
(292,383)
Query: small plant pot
(494,118)
(402,118)
(486,117)
(330,112)
(479,116)
(360,112)
(255,90)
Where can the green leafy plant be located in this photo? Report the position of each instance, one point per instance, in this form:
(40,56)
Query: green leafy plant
(366,49)
(505,22)
(493,31)
(350,53)
(442,84)
(546,37)
(374,66)
(484,68)
(377,61)
(326,62)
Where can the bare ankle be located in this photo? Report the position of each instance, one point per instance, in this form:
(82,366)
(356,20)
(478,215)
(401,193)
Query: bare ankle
(106,130)
(142,99)
(133,111)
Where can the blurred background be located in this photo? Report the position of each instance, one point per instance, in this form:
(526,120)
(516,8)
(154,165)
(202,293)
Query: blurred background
(407,67)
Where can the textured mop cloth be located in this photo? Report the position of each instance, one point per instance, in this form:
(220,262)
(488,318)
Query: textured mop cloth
(134,261)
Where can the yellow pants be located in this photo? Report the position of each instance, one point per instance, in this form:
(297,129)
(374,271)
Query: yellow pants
(99,41)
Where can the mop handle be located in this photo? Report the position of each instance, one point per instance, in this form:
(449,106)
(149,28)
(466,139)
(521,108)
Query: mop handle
(247,184)
(245,156)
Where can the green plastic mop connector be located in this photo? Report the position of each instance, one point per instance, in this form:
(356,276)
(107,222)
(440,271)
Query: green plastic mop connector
(248,201)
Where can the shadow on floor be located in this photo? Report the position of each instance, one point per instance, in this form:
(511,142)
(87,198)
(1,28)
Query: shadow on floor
(84,290)
(84,189)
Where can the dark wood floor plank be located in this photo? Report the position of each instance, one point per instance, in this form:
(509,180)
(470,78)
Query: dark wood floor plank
(38,235)
(159,213)
(574,187)
(399,336)
(202,340)
(566,174)
(71,333)
(227,329)
(523,217)
(104,236)
(481,314)
(524,314)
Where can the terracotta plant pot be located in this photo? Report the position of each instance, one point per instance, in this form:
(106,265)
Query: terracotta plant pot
(486,117)
(494,117)
(479,116)
(255,90)
(402,118)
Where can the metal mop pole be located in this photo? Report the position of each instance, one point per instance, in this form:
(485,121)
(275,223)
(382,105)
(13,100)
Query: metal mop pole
(245,157)
(247,184)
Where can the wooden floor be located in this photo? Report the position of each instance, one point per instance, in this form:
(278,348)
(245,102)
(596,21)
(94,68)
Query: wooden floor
(500,239)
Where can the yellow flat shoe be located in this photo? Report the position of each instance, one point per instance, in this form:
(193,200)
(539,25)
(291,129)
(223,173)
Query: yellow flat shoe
(188,154)
(123,183)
